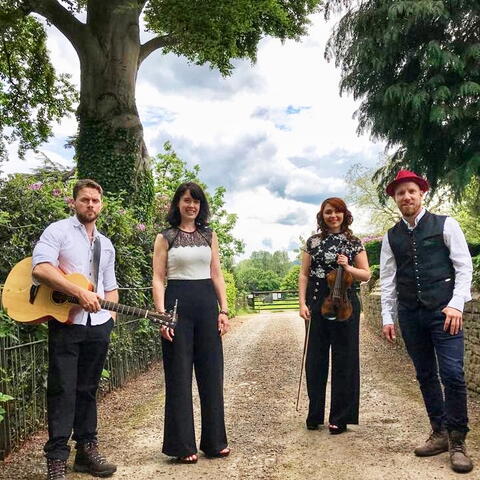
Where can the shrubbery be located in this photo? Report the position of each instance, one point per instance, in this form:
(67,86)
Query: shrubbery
(231,293)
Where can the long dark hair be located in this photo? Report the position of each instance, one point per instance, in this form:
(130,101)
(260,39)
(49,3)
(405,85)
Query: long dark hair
(173,216)
(339,205)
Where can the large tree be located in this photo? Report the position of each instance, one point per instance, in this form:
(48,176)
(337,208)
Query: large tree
(416,67)
(109,145)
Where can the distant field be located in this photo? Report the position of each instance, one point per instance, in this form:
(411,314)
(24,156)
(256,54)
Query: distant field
(263,301)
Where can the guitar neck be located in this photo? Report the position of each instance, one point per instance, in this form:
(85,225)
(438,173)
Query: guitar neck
(131,311)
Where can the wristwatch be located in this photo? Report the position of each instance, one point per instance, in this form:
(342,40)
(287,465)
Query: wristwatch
(224,312)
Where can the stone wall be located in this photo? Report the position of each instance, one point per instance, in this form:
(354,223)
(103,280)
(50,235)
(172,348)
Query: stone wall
(372,315)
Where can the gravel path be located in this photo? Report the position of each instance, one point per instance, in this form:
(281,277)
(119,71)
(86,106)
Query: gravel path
(266,434)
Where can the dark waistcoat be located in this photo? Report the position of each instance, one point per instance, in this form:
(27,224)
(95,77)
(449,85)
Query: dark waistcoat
(425,273)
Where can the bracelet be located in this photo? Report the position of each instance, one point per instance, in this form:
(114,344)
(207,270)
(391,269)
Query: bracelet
(224,312)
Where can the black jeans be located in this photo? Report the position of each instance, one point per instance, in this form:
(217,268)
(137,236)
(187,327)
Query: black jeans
(427,343)
(76,355)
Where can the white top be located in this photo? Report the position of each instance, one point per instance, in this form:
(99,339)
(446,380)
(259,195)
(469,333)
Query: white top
(189,257)
(459,255)
(65,244)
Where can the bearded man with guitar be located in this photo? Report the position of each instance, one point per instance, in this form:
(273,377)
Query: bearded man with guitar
(78,348)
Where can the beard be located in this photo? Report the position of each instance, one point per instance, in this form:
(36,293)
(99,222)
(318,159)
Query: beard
(88,217)
(409,210)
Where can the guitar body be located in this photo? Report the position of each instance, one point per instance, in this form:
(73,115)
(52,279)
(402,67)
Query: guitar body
(16,297)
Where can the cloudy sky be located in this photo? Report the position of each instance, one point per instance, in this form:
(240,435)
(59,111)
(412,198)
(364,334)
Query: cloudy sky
(276,134)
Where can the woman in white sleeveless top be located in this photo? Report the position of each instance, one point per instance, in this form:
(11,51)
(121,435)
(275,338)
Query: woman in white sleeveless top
(186,258)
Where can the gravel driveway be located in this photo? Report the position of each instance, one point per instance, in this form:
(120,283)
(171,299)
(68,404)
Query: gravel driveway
(267,436)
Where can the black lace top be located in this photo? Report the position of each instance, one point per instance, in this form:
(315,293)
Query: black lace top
(324,252)
(201,237)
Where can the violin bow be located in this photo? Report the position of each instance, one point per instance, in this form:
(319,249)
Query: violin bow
(305,348)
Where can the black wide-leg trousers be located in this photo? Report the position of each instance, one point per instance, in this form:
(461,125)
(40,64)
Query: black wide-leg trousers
(196,345)
(76,357)
(342,338)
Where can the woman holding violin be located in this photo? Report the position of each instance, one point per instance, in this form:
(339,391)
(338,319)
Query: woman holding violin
(332,260)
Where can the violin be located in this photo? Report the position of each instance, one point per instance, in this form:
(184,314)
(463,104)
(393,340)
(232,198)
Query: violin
(337,305)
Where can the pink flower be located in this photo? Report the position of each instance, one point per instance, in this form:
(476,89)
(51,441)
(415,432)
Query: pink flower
(56,192)
(141,227)
(371,238)
(35,186)
(68,200)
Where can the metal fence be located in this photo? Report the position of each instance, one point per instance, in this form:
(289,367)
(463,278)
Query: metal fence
(274,300)
(135,345)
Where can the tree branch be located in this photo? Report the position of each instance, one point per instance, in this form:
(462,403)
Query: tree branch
(61,18)
(154,44)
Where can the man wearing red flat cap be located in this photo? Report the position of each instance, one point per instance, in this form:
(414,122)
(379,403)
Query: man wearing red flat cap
(426,273)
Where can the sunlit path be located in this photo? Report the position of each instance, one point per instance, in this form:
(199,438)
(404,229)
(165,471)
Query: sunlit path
(267,437)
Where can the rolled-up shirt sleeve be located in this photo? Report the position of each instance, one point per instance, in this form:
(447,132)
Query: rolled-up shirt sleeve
(462,263)
(388,283)
(48,247)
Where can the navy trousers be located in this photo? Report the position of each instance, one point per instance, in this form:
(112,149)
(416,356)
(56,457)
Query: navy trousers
(435,351)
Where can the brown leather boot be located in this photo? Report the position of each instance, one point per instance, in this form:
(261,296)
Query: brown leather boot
(56,469)
(89,460)
(436,443)
(459,459)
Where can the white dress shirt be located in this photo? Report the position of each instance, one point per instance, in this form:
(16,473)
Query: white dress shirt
(65,244)
(459,255)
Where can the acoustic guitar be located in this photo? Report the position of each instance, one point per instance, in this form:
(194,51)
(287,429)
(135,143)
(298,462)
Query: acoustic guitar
(27,303)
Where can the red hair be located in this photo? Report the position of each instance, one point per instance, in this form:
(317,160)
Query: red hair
(340,206)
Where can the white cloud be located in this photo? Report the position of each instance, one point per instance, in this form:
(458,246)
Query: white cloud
(276,134)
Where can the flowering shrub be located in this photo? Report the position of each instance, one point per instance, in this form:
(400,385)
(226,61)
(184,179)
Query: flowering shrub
(27,206)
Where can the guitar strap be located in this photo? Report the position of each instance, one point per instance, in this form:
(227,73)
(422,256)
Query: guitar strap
(97,251)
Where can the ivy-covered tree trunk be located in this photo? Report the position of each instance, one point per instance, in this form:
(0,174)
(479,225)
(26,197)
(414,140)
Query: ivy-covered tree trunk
(109,144)
(110,147)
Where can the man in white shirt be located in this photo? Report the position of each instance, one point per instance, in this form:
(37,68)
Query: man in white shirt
(77,351)
(426,273)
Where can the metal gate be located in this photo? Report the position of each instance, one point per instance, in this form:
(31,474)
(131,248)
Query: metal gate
(274,300)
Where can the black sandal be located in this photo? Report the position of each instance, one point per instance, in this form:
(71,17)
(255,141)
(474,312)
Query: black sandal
(185,460)
(337,429)
(221,454)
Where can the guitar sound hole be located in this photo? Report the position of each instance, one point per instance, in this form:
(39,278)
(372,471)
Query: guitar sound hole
(59,297)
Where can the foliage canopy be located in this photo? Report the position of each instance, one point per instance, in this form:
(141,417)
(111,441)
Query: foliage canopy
(32,95)
(416,67)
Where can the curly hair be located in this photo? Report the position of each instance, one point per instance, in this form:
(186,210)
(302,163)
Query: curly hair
(173,215)
(339,205)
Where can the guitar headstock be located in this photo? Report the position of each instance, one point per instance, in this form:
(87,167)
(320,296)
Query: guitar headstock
(167,319)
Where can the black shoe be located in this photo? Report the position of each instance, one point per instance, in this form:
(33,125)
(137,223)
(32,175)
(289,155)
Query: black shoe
(312,426)
(222,454)
(186,460)
(337,429)
(89,460)
(56,469)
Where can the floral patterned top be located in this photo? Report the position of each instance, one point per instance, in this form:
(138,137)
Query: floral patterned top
(324,252)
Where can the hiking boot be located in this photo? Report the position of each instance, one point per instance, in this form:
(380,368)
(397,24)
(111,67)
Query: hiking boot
(89,460)
(459,459)
(56,469)
(436,443)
